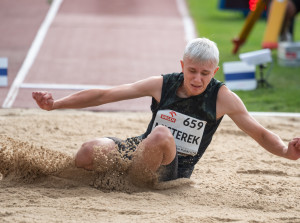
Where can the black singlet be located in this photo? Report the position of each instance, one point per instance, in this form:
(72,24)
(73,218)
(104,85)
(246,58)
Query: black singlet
(202,107)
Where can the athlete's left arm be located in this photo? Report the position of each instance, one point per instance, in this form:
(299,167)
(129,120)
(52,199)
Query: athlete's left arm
(229,103)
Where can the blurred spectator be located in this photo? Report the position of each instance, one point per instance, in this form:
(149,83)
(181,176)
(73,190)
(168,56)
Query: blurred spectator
(287,30)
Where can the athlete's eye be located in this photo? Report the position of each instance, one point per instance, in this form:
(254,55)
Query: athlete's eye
(205,73)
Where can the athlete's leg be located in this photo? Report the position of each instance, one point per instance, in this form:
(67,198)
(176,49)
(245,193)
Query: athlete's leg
(85,155)
(157,149)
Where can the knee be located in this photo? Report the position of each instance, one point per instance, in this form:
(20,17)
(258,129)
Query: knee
(162,135)
(84,156)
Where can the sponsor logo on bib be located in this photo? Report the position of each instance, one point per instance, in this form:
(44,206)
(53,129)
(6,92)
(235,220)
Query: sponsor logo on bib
(168,118)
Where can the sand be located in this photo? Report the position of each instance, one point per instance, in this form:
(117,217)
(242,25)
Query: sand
(235,181)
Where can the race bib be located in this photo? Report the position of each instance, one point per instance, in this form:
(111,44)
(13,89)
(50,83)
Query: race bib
(187,131)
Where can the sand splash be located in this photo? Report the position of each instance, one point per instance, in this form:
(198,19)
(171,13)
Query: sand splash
(25,162)
(114,171)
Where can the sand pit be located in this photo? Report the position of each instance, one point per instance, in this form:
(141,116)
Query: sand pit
(235,181)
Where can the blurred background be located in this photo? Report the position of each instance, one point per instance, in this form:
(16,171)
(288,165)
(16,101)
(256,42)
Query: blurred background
(98,42)
(222,25)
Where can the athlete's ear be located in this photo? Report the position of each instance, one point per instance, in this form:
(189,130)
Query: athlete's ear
(182,64)
(215,71)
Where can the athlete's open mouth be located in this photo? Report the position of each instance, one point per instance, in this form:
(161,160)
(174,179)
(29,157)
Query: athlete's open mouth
(196,86)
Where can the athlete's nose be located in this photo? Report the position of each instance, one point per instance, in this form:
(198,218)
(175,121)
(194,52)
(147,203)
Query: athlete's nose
(198,78)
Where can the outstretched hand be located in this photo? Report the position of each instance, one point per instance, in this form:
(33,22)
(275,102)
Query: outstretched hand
(294,149)
(43,99)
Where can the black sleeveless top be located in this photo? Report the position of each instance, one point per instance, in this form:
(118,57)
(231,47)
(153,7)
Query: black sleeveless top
(202,107)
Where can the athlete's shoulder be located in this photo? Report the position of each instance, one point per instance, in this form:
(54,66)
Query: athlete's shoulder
(228,102)
(174,76)
(216,83)
(225,94)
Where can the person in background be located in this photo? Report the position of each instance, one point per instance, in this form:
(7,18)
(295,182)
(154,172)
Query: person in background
(288,25)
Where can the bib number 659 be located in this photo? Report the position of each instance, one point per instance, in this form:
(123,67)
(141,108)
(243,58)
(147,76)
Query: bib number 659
(193,123)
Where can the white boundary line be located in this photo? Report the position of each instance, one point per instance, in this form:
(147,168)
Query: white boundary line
(86,87)
(31,55)
(188,24)
(275,114)
(63,86)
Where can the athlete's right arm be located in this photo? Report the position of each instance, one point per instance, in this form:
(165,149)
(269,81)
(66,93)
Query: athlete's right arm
(93,97)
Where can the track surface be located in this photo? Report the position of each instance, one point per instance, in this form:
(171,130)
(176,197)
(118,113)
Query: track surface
(91,42)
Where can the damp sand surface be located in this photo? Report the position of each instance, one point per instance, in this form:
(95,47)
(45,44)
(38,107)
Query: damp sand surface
(235,181)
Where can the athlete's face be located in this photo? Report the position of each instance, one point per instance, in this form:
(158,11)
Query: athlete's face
(196,76)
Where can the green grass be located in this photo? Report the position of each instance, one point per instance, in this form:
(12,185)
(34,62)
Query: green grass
(222,27)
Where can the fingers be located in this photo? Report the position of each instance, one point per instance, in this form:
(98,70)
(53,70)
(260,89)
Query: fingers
(38,95)
(42,96)
(296,142)
(46,97)
(43,99)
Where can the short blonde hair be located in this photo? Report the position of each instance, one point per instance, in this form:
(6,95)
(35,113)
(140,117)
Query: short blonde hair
(202,50)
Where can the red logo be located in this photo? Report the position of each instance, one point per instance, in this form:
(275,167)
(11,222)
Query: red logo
(173,113)
(291,55)
(168,118)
